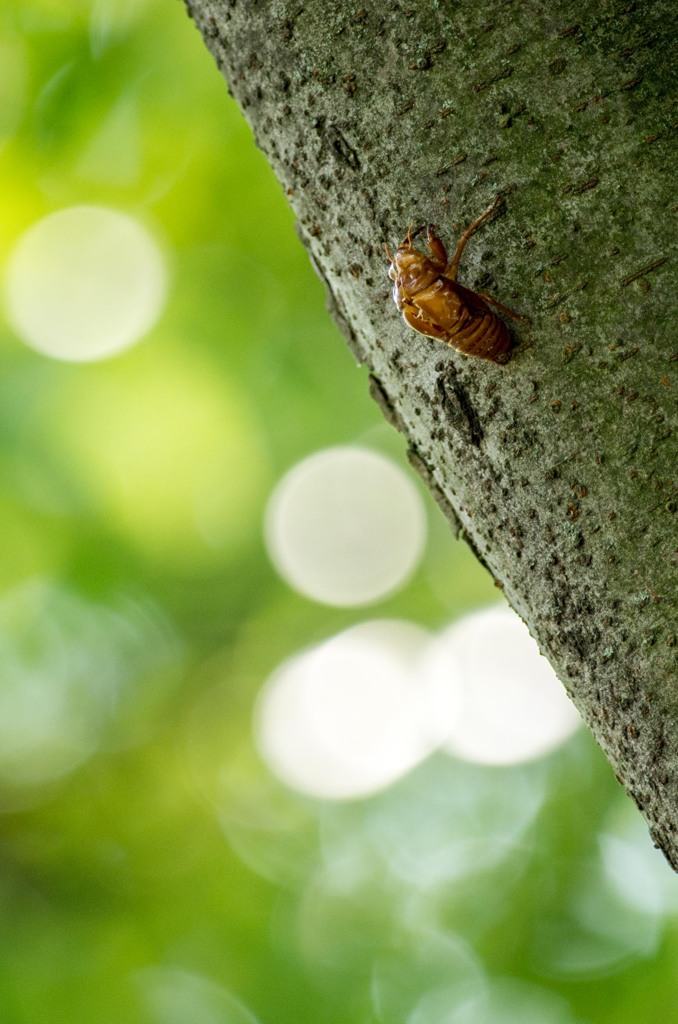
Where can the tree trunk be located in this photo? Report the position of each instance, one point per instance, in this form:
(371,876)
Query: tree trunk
(559,468)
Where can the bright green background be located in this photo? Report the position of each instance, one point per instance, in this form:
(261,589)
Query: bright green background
(168,868)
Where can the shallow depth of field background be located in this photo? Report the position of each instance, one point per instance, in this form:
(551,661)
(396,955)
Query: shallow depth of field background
(272,748)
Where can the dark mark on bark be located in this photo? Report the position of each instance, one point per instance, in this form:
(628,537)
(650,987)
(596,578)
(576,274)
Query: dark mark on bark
(555,300)
(458,409)
(341,148)
(453,163)
(551,263)
(505,73)
(573,32)
(644,270)
(577,190)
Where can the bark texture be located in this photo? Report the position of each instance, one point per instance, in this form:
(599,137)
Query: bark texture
(560,468)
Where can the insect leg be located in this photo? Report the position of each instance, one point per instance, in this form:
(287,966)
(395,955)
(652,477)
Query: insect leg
(412,232)
(504,309)
(451,270)
(437,248)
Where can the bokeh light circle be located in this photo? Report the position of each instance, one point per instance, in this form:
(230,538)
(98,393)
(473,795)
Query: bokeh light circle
(498,1000)
(498,700)
(70,668)
(84,283)
(171,453)
(345,527)
(345,719)
(171,995)
(634,867)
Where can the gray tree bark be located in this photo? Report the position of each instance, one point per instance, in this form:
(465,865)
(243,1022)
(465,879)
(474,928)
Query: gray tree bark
(560,468)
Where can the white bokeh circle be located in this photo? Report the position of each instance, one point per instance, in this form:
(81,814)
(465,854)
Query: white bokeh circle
(345,527)
(493,695)
(84,283)
(345,719)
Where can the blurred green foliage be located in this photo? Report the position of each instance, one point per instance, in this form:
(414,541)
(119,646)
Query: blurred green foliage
(152,869)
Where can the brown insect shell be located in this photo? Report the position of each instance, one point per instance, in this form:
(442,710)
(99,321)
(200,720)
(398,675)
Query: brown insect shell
(435,305)
(412,273)
(421,282)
